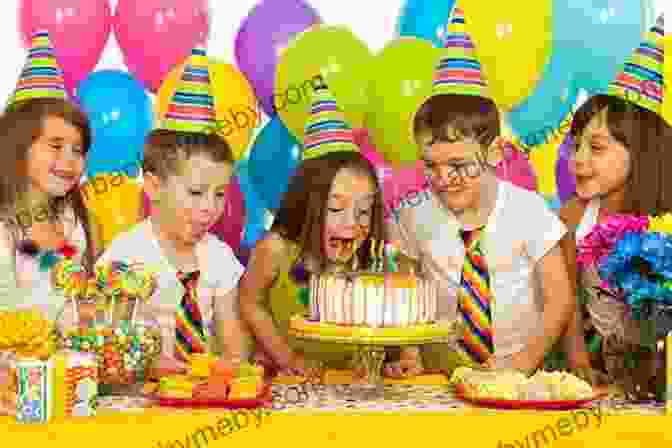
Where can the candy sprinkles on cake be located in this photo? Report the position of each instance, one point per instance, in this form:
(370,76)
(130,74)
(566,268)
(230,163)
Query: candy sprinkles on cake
(380,296)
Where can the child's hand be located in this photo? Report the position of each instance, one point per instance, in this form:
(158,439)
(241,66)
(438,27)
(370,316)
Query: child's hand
(167,365)
(408,366)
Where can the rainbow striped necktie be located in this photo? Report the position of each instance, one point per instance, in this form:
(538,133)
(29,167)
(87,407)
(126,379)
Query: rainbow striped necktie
(190,332)
(475,300)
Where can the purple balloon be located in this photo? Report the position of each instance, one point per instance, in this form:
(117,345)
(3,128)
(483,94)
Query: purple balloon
(564,179)
(268,28)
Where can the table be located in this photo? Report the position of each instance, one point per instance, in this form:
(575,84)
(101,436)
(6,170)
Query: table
(408,416)
(407,398)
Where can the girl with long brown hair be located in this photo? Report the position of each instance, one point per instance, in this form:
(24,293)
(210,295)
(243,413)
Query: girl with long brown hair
(332,206)
(622,163)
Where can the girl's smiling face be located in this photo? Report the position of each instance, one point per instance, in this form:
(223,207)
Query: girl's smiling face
(55,159)
(600,163)
(348,215)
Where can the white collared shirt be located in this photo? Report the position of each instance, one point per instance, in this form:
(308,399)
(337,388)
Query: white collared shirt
(219,269)
(519,232)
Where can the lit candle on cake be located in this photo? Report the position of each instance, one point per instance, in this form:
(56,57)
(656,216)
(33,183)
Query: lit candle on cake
(372,256)
(381,257)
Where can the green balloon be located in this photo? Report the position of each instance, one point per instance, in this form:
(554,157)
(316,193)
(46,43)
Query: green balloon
(329,54)
(402,82)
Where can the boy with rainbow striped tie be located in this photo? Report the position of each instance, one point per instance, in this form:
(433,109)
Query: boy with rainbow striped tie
(494,247)
(187,168)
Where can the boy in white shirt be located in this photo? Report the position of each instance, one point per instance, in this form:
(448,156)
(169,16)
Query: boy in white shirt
(187,171)
(493,247)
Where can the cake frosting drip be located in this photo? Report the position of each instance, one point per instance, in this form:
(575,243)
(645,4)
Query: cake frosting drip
(372,299)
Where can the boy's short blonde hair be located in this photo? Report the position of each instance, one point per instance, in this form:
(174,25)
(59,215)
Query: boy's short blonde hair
(450,118)
(165,149)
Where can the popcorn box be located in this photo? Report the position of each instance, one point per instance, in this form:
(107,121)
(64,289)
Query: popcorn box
(81,384)
(35,392)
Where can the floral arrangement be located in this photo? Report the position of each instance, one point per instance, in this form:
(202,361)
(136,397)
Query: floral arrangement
(28,334)
(633,256)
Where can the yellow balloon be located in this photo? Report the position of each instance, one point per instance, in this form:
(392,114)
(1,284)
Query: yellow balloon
(236,106)
(513,41)
(667,78)
(114,203)
(341,59)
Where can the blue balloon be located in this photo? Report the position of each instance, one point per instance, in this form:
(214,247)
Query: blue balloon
(255,212)
(121,115)
(548,108)
(128,160)
(425,19)
(273,159)
(597,37)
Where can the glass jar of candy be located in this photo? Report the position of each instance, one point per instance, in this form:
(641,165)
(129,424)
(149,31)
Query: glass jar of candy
(125,348)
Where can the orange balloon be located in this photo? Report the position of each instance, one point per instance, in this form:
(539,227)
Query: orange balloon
(236,105)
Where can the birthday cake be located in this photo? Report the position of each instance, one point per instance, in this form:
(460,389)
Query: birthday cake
(376,297)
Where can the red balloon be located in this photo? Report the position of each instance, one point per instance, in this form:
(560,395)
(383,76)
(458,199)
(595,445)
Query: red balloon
(230,226)
(156,35)
(78,29)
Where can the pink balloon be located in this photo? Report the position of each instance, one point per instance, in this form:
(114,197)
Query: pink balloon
(156,35)
(147,206)
(402,187)
(78,29)
(516,168)
(230,226)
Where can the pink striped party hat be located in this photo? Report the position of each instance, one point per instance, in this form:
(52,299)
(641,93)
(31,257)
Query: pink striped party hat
(192,108)
(459,70)
(41,77)
(641,80)
(327,129)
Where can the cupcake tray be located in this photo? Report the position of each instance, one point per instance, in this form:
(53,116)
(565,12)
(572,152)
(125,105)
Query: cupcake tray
(262,400)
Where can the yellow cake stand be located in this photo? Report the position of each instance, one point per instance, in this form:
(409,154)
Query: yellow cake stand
(370,343)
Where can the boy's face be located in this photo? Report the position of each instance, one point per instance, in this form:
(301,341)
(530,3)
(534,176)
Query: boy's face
(190,202)
(348,215)
(455,172)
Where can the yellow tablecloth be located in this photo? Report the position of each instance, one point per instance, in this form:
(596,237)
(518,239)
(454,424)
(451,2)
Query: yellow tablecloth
(410,415)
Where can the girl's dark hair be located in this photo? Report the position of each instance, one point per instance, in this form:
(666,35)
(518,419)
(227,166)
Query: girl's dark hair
(20,126)
(648,138)
(301,216)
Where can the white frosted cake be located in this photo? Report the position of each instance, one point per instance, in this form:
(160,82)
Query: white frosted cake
(375,300)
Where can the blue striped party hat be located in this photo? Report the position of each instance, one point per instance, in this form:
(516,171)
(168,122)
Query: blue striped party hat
(41,77)
(459,70)
(641,80)
(326,130)
(192,108)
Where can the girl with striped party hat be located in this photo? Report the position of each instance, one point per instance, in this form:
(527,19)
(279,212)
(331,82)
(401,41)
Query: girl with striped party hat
(187,170)
(332,206)
(622,163)
(43,219)
(469,234)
